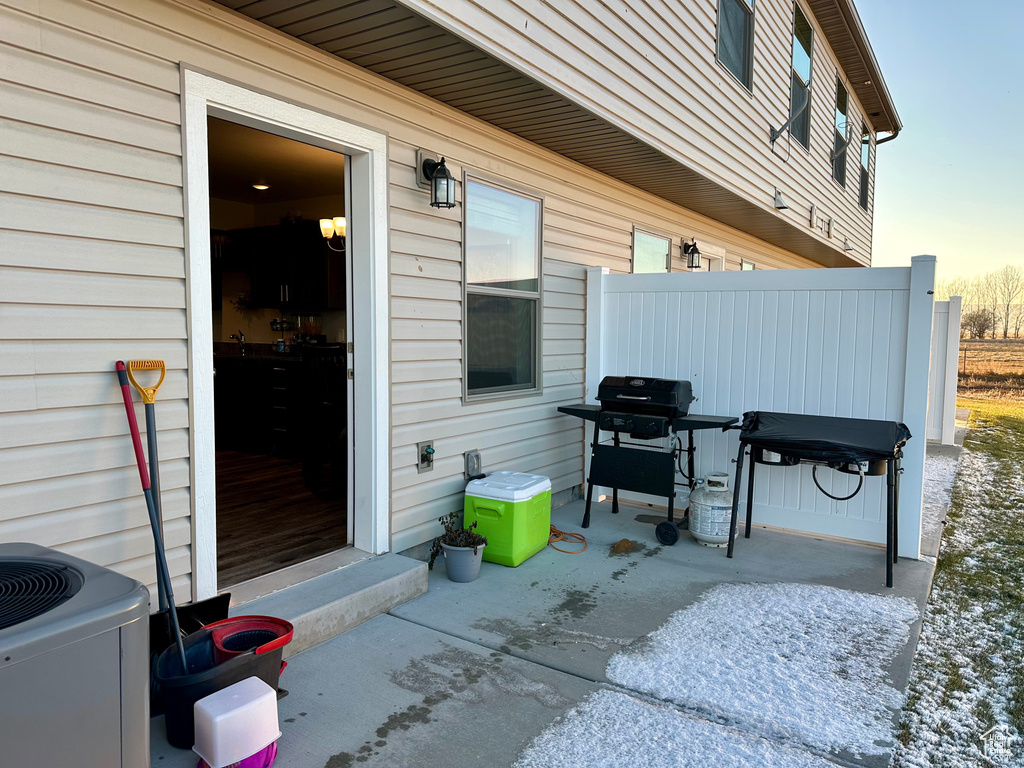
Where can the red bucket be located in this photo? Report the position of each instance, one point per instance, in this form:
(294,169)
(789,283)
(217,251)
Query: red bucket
(241,634)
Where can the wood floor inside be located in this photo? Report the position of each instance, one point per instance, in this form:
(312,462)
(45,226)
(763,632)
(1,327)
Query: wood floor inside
(267,519)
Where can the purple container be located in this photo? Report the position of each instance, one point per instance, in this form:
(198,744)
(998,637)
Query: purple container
(262,759)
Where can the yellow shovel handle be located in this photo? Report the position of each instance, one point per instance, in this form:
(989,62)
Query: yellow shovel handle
(148,393)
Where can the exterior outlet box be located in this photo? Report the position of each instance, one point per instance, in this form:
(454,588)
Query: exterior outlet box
(425,456)
(474,464)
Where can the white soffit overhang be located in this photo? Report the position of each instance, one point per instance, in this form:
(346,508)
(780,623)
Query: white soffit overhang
(386,38)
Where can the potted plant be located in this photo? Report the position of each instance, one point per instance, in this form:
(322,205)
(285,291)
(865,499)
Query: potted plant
(463,549)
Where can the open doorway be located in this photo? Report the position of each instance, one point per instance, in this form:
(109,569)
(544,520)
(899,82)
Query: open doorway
(280,321)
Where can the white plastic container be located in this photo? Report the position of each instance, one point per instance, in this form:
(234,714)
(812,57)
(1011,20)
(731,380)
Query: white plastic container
(236,722)
(711,510)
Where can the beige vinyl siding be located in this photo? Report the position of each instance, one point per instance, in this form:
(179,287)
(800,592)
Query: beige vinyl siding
(92,269)
(652,71)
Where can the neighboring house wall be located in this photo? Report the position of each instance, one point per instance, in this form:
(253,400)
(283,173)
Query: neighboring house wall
(93,269)
(652,70)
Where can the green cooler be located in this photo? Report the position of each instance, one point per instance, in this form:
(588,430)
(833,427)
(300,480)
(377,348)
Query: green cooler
(513,510)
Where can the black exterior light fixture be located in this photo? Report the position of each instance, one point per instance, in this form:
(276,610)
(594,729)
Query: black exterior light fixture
(692,254)
(442,185)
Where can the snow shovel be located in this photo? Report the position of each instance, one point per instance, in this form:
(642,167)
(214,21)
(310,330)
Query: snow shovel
(162,572)
(148,395)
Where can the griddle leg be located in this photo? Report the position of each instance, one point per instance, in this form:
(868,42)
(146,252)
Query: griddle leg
(896,515)
(750,498)
(890,522)
(671,507)
(736,501)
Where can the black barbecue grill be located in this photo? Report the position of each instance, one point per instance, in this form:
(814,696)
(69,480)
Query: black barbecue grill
(643,409)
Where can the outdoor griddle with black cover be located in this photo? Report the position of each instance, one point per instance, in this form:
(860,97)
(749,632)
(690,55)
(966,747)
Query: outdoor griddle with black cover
(643,409)
(863,447)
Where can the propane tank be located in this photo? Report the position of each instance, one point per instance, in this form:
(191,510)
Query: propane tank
(711,510)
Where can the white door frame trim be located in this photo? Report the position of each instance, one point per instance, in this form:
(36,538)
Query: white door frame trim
(368,243)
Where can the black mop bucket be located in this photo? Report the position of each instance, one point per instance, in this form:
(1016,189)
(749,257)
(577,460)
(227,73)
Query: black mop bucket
(203,677)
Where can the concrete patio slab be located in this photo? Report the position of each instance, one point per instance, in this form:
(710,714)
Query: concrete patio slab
(471,673)
(392,693)
(573,612)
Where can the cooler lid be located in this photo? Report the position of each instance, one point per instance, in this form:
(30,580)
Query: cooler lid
(509,486)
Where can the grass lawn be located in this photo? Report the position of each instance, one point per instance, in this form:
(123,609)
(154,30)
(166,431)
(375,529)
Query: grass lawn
(968,674)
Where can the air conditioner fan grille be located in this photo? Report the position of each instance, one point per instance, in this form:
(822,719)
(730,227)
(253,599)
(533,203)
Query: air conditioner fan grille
(29,588)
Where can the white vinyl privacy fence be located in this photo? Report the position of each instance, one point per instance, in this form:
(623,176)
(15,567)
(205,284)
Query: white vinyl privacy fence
(830,342)
(945,358)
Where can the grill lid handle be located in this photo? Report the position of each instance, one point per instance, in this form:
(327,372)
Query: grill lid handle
(631,397)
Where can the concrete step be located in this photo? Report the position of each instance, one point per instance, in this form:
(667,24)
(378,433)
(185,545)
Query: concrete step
(323,607)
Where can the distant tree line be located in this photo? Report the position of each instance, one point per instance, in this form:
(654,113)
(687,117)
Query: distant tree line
(993,303)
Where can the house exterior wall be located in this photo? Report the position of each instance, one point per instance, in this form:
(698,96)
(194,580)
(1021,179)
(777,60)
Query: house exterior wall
(655,74)
(93,269)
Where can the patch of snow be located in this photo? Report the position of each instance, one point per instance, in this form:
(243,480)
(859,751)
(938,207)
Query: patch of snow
(798,663)
(970,643)
(939,476)
(610,729)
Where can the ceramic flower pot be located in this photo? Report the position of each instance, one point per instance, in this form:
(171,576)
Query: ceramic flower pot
(461,563)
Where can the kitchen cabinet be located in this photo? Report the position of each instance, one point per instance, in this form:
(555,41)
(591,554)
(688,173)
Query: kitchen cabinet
(294,269)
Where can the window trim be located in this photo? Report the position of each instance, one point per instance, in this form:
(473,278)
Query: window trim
(845,153)
(792,70)
(865,179)
(751,45)
(503,185)
(653,233)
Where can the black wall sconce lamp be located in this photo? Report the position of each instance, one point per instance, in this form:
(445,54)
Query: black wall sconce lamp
(442,185)
(692,254)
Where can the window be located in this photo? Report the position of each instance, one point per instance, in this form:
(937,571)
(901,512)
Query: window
(865,164)
(800,92)
(736,38)
(650,252)
(746,266)
(840,139)
(502,271)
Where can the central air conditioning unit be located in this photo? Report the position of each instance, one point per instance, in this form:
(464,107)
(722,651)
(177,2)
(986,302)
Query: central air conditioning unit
(74,662)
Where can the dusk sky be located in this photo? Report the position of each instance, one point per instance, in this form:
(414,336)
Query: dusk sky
(952,184)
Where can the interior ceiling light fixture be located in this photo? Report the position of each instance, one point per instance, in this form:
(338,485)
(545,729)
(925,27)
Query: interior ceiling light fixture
(331,227)
(780,201)
(261,187)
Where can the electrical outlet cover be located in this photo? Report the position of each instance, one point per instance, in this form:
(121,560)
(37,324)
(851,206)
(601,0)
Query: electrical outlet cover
(473,463)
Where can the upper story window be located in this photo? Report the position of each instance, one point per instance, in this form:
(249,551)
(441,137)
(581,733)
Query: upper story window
(841,135)
(502,265)
(650,252)
(800,92)
(747,266)
(865,164)
(736,38)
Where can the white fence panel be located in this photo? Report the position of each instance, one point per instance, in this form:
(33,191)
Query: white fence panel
(826,342)
(943,379)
